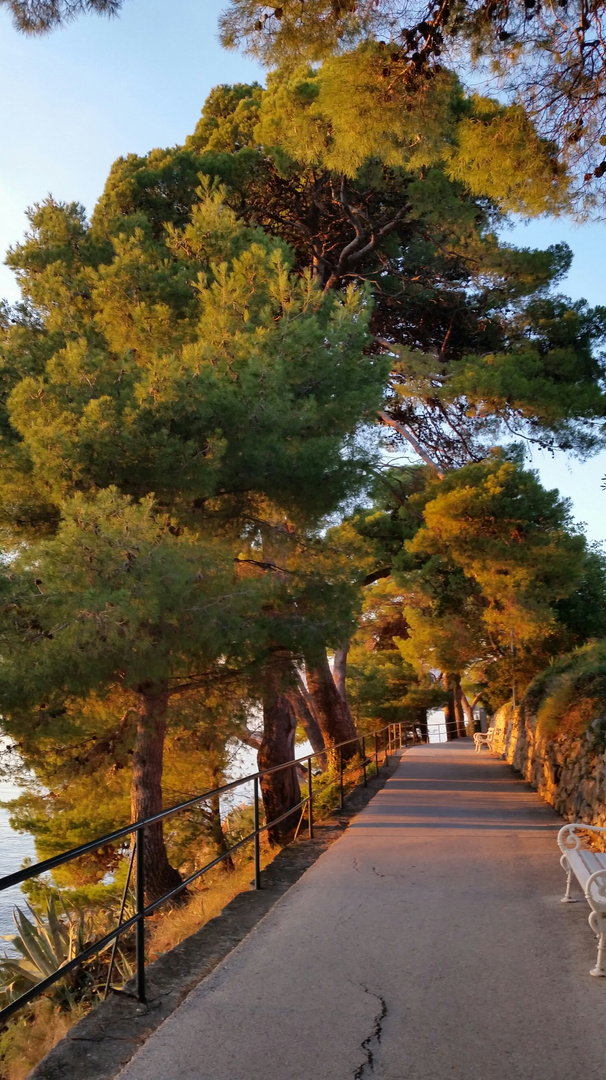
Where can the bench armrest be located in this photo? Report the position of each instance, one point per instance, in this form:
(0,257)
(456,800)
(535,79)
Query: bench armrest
(595,891)
(568,838)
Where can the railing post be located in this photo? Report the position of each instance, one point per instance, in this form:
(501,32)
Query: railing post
(400,735)
(364,758)
(140,897)
(112,958)
(310,805)
(256,830)
(377,753)
(341,804)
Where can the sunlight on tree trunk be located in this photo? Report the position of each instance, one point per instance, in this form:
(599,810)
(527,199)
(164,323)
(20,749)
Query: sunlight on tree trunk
(332,711)
(308,722)
(458,707)
(339,669)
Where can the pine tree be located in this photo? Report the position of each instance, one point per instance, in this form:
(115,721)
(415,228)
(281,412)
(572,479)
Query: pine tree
(195,367)
(478,344)
(549,59)
(486,574)
(121,597)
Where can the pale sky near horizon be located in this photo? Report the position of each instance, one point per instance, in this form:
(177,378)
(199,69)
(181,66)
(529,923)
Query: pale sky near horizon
(98,89)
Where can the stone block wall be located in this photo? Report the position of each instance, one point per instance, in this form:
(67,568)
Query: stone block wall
(568,771)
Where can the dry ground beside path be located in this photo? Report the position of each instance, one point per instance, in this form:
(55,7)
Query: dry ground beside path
(427,943)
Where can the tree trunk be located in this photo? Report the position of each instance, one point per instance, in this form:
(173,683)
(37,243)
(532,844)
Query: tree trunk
(339,669)
(469,706)
(308,722)
(218,836)
(421,723)
(449,711)
(280,790)
(468,710)
(216,825)
(332,711)
(458,707)
(146,790)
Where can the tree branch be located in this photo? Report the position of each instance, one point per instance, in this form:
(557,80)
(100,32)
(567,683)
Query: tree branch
(384,572)
(406,434)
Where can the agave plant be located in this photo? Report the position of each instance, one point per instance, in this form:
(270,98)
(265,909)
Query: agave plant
(45,943)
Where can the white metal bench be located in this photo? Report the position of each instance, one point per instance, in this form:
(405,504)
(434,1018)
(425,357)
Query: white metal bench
(483,738)
(589,868)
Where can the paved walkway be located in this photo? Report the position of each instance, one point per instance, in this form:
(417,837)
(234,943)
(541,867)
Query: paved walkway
(426,944)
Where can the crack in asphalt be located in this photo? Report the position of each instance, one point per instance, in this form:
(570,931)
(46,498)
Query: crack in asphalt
(375,1037)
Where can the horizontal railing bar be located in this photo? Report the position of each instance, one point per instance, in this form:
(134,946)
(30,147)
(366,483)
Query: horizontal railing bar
(123,928)
(28,872)
(192,877)
(54,977)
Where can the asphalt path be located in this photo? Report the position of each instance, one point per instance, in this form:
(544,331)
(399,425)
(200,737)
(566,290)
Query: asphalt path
(428,943)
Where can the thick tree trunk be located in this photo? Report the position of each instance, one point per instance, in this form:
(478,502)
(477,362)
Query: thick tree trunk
(449,710)
(468,708)
(332,711)
(280,790)
(339,669)
(458,707)
(146,790)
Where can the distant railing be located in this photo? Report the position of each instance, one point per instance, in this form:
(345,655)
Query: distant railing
(382,743)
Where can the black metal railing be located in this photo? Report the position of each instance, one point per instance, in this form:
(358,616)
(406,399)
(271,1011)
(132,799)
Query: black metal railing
(382,743)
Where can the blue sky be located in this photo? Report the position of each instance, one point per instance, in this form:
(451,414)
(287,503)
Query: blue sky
(97,89)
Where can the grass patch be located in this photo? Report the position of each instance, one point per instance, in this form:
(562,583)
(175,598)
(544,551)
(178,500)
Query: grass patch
(570,695)
(32,1034)
(215,891)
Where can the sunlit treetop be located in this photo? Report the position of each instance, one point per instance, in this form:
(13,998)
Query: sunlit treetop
(475,343)
(347,111)
(548,56)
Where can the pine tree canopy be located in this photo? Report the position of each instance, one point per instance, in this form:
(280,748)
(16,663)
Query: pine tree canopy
(547,58)
(486,557)
(477,342)
(40,16)
(120,596)
(198,366)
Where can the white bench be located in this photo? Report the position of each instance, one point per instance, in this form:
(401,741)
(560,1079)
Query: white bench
(483,738)
(589,868)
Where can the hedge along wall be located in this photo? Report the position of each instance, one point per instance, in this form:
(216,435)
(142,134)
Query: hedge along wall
(557,737)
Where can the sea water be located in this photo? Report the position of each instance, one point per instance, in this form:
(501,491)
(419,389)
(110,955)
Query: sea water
(14,848)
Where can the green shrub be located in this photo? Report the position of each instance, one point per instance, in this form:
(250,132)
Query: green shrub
(570,695)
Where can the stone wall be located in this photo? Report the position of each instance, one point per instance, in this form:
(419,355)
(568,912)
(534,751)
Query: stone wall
(568,771)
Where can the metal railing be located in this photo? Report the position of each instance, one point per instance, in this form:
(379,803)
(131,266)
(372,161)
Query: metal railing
(383,742)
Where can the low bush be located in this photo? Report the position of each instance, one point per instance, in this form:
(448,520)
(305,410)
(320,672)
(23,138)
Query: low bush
(570,695)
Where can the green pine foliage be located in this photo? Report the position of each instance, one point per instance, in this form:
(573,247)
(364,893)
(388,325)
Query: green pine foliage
(196,369)
(491,575)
